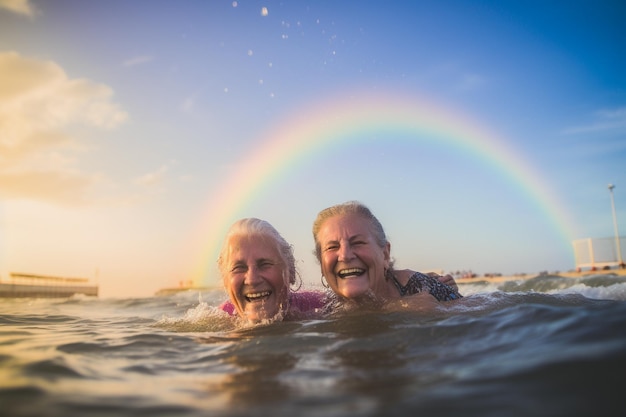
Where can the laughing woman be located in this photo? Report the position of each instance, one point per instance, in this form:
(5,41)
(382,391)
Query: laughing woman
(354,255)
(258,269)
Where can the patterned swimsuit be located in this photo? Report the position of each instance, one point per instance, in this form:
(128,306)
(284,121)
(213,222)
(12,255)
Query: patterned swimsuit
(419,282)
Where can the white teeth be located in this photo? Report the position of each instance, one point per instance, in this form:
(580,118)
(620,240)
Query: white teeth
(350,271)
(257,295)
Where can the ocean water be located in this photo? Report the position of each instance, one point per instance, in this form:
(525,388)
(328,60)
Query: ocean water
(547,346)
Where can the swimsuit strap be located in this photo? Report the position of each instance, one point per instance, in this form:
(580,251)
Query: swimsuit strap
(416,283)
(401,288)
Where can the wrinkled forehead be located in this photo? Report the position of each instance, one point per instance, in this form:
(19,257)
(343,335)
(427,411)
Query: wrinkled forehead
(252,247)
(346,226)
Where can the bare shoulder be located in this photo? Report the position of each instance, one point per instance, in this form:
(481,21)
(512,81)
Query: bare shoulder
(403,275)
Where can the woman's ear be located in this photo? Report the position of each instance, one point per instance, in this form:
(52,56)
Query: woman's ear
(387,254)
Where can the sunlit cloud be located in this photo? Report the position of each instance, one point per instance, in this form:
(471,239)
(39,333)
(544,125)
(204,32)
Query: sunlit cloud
(39,105)
(138,60)
(604,120)
(60,187)
(157,177)
(22,7)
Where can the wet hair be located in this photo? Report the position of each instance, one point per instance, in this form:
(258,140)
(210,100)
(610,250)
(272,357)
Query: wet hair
(347,208)
(256,227)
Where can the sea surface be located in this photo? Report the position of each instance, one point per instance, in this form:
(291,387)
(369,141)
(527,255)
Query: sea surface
(547,346)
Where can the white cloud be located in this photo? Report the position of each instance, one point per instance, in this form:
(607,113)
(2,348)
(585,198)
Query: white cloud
(605,120)
(66,187)
(138,60)
(157,177)
(39,105)
(153,178)
(23,7)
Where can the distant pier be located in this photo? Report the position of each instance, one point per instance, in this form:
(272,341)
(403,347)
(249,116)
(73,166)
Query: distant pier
(23,285)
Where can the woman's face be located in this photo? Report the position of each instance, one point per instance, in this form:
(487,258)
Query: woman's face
(351,259)
(255,278)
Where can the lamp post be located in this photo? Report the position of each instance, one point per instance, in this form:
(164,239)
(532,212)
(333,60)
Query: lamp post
(620,262)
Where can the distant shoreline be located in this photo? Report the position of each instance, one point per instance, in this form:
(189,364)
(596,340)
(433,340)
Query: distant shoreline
(481,278)
(517,277)
(175,290)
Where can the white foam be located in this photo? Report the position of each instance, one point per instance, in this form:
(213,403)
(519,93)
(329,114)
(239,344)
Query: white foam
(612,292)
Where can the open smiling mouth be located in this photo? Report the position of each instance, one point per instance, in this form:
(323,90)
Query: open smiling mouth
(258,296)
(350,272)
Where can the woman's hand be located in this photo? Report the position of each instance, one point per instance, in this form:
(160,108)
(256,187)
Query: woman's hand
(445,279)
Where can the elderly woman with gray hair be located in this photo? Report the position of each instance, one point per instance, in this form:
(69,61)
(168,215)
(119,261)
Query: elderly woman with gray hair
(355,259)
(258,269)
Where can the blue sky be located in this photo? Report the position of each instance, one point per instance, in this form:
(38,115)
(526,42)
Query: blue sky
(123,119)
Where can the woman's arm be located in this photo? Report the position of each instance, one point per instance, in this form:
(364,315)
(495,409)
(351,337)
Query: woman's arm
(445,279)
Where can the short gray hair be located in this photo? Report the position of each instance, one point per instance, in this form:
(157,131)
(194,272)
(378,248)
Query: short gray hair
(349,207)
(257,227)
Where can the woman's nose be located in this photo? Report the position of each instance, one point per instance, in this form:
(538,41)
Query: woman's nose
(345,253)
(252,275)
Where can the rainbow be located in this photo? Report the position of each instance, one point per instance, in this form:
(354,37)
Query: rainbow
(341,119)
